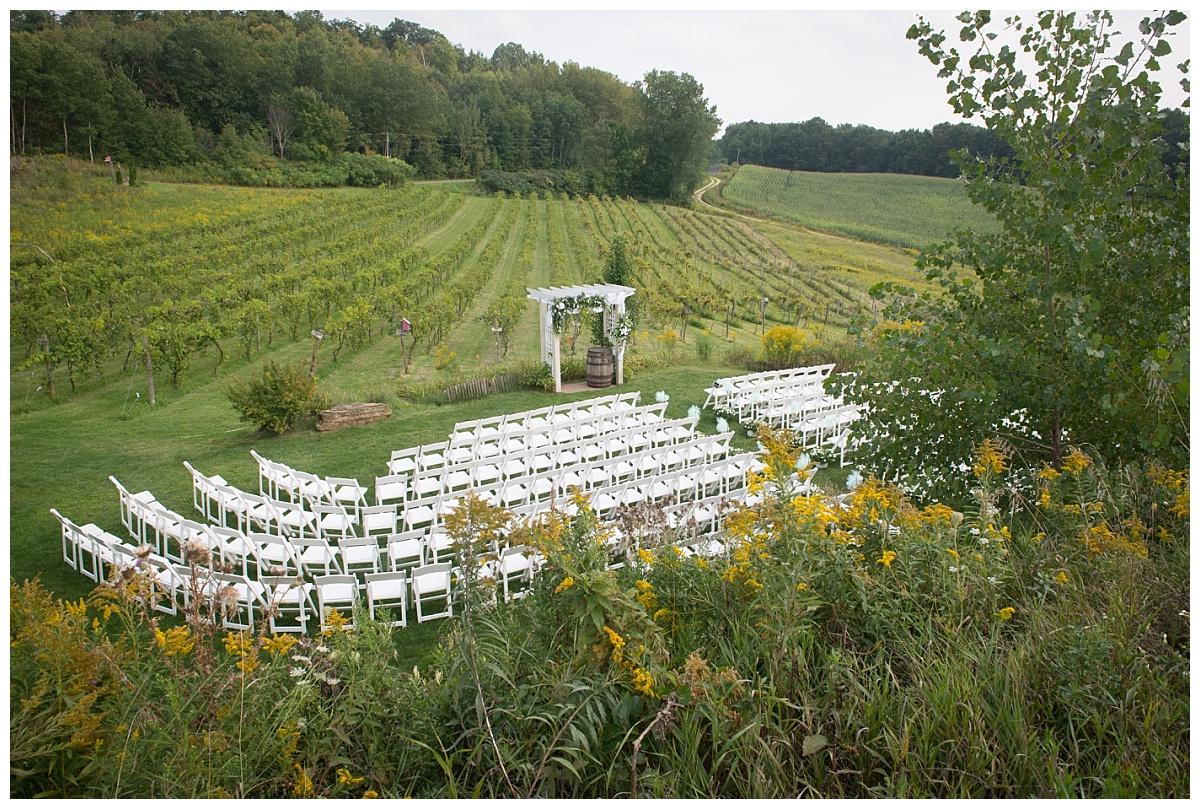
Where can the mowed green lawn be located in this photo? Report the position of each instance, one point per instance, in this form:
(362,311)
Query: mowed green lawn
(895,209)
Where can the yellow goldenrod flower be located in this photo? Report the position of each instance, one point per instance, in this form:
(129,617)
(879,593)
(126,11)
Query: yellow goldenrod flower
(1006,613)
(953,553)
(645,555)
(1048,472)
(802,586)
(643,682)
(303,787)
(370,793)
(989,459)
(175,641)
(1062,577)
(618,644)
(236,643)
(886,559)
(335,622)
(345,778)
(565,584)
(1076,461)
(279,644)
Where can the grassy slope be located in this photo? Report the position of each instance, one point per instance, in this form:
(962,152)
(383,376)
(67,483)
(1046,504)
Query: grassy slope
(903,210)
(62,454)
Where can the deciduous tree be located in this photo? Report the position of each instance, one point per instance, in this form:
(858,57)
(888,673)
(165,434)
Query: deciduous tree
(1070,325)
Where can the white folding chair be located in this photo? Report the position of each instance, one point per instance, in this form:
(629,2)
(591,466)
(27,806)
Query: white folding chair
(333,521)
(388,591)
(70,540)
(288,603)
(239,599)
(204,492)
(130,516)
(391,489)
(336,592)
(348,493)
(359,554)
(375,521)
(96,552)
(273,556)
(515,569)
(315,555)
(419,513)
(439,545)
(406,550)
(404,461)
(292,519)
(310,487)
(430,585)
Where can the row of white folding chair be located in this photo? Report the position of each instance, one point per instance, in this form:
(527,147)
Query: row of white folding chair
(750,405)
(734,382)
(410,460)
(387,590)
(432,456)
(299,536)
(281,482)
(610,485)
(726,389)
(542,416)
(826,427)
(252,511)
(555,473)
(557,484)
(152,523)
(101,556)
(560,428)
(789,408)
(481,471)
(721,478)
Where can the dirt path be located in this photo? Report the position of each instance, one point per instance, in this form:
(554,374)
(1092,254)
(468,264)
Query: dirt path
(712,183)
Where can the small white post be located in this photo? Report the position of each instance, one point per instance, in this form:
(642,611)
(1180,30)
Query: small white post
(556,362)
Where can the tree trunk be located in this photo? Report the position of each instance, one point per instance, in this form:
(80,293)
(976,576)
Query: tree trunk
(91,155)
(66,144)
(149,369)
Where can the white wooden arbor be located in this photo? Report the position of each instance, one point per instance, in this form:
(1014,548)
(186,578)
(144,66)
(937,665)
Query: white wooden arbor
(555,304)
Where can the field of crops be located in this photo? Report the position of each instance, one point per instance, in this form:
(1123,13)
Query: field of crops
(220,279)
(894,209)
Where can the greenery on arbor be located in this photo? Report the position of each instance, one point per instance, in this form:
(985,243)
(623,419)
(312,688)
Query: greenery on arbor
(1070,326)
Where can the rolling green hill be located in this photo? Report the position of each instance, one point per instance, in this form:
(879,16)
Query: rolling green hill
(896,209)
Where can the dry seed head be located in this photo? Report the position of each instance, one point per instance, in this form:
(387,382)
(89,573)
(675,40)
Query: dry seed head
(195,552)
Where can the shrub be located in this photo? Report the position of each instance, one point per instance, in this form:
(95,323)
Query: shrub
(784,344)
(279,399)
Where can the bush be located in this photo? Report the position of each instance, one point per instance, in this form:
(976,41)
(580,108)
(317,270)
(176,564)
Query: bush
(279,399)
(784,344)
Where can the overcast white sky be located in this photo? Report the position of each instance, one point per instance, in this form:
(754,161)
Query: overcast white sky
(776,64)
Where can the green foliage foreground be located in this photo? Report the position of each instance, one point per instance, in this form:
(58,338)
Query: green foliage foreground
(841,650)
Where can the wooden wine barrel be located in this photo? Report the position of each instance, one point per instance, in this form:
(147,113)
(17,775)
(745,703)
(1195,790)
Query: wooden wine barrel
(599,367)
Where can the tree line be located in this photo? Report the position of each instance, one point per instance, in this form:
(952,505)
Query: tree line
(814,145)
(180,88)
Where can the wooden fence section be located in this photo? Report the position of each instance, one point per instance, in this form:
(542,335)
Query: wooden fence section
(474,388)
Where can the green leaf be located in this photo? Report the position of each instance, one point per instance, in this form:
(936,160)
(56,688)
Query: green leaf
(814,744)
